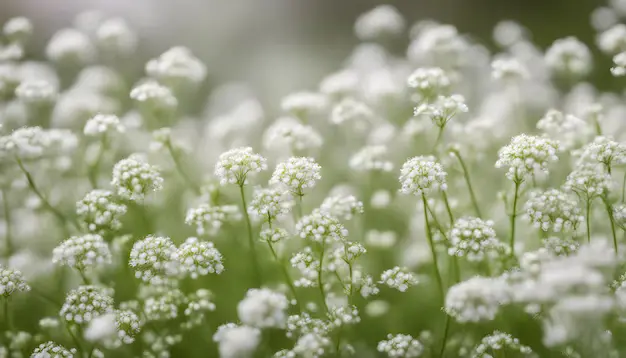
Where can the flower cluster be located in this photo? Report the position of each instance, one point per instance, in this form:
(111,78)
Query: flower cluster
(263,308)
(86,303)
(134,179)
(198,258)
(298,174)
(500,341)
(527,155)
(398,278)
(321,227)
(99,212)
(442,110)
(153,259)
(11,281)
(477,299)
(102,124)
(342,207)
(420,175)
(400,346)
(553,210)
(82,252)
(270,204)
(429,82)
(235,165)
(371,158)
(208,219)
(475,239)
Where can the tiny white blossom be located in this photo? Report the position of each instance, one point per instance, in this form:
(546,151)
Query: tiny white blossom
(298,174)
(398,278)
(236,165)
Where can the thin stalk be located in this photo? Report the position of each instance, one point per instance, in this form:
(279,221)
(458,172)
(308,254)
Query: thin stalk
(432,248)
(448,208)
(8,241)
(253,258)
(587,219)
(455,260)
(624,187)
(299,205)
(609,211)
(84,277)
(292,287)
(31,183)
(94,169)
(468,182)
(179,168)
(319,275)
(438,140)
(7,315)
(513,216)
(446,330)
(79,347)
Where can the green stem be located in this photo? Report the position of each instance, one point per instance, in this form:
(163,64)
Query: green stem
(468,182)
(79,347)
(446,330)
(7,226)
(448,208)
(31,183)
(624,187)
(587,219)
(84,277)
(299,207)
(7,315)
(179,168)
(94,169)
(609,210)
(320,283)
(292,287)
(438,140)
(432,248)
(513,216)
(253,257)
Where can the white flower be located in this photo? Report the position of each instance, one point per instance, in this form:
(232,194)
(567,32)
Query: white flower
(86,303)
(321,227)
(101,329)
(400,346)
(237,341)
(477,299)
(70,46)
(114,35)
(270,204)
(442,110)
(128,325)
(553,210)
(398,278)
(11,281)
(604,150)
(588,181)
(475,239)
(18,29)
(99,212)
(570,57)
(527,155)
(153,95)
(82,252)
(499,341)
(103,124)
(236,165)
(134,179)
(613,40)
(263,308)
(619,69)
(508,69)
(297,174)
(342,206)
(199,258)
(352,111)
(304,104)
(429,82)
(176,65)
(381,21)
(568,129)
(36,91)
(153,259)
(208,219)
(420,175)
(371,158)
(290,133)
(51,349)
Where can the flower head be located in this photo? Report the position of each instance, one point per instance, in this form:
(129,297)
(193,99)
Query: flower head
(342,206)
(398,278)
(570,57)
(400,346)
(604,150)
(153,259)
(371,158)
(475,239)
(381,21)
(553,210)
(442,110)
(82,252)
(11,281)
(51,349)
(263,308)
(477,299)
(237,341)
(270,204)
(588,181)
(208,219)
(297,174)
(321,227)
(527,155)
(86,303)
(99,212)
(134,179)
(199,258)
(236,165)
(102,124)
(429,83)
(508,69)
(128,325)
(176,65)
(568,129)
(420,175)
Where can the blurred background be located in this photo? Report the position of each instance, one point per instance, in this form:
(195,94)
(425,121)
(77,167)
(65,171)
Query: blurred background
(278,46)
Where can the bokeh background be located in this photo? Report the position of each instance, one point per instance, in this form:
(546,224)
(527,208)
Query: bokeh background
(278,46)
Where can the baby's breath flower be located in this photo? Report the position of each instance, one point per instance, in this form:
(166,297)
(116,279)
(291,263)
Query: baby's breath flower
(198,304)
(308,265)
(153,259)
(208,219)
(429,83)
(199,258)
(11,281)
(35,143)
(70,46)
(133,178)
(420,175)
(499,341)
(313,345)
(342,206)
(102,124)
(51,349)
(560,246)
(352,111)
(128,325)
(371,158)
(304,104)
(177,65)
(237,341)
(290,133)
(613,40)
(508,69)
(152,95)
(263,308)
(398,278)
(526,155)
(477,299)
(321,227)
(588,181)
(442,110)
(368,287)
(18,29)
(343,315)
(86,303)
(270,204)
(235,165)
(400,346)
(570,57)
(297,174)
(274,235)
(380,239)
(381,21)
(164,306)
(475,239)
(36,91)
(606,151)
(99,213)
(82,252)
(115,36)
(619,69)
(568,129)
(619,215)
(553,210)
